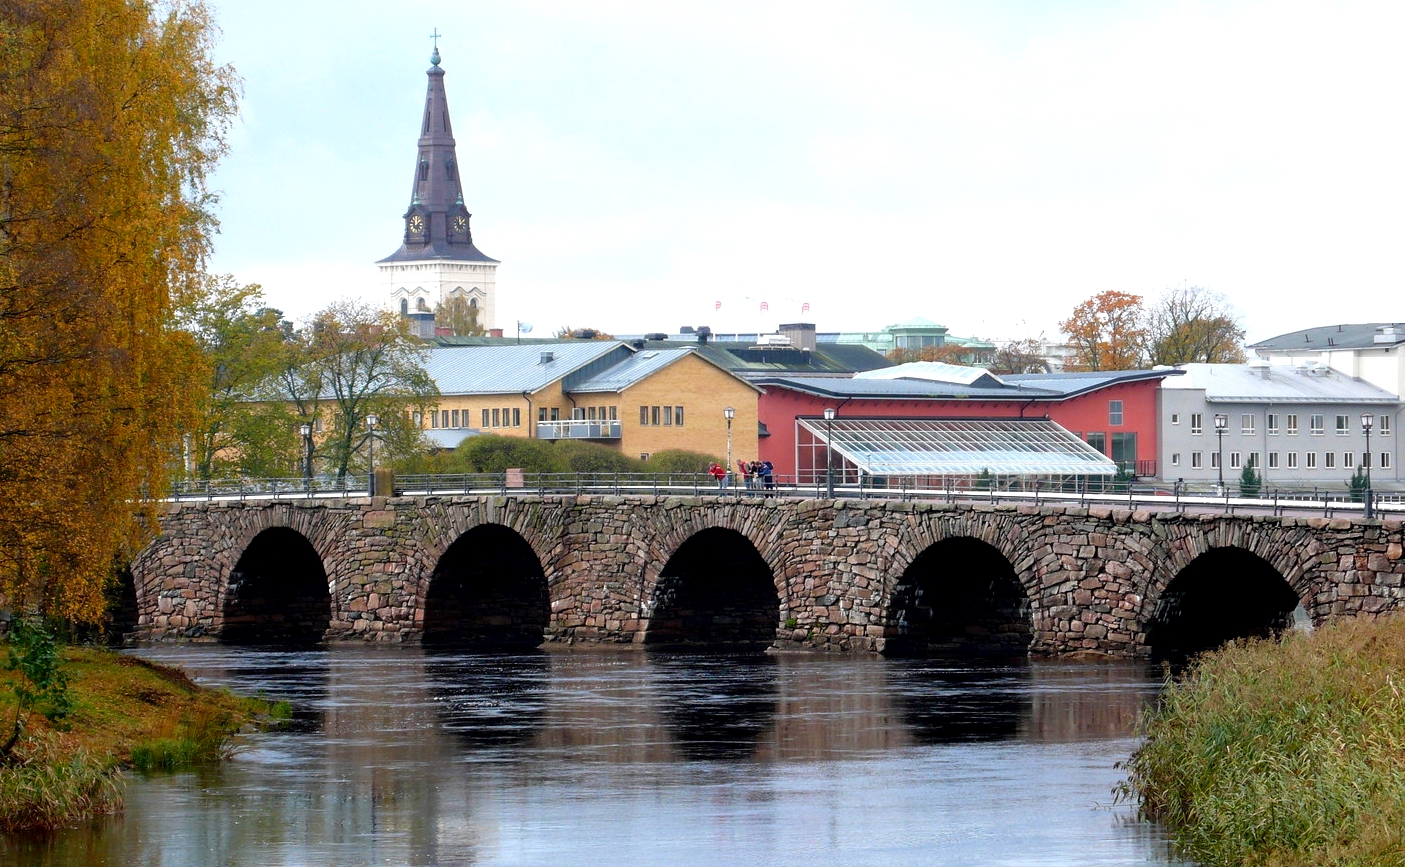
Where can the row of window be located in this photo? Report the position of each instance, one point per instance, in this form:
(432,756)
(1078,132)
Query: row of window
(667,416)
(1317,423)
(1329,460)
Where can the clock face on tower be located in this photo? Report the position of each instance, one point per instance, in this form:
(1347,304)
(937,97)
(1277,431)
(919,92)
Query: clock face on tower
(416,224)
(460,224)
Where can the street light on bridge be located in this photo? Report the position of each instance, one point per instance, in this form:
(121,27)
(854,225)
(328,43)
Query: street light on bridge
(371,420)
(1367,419)
(829,413)
(729,413)
(1221,423)
(306,431)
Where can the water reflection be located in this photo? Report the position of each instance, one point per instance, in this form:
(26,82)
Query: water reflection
(642,759)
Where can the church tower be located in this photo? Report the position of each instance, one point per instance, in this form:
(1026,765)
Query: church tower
(437,259)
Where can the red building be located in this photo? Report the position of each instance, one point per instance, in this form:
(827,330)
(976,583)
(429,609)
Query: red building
(1113,412)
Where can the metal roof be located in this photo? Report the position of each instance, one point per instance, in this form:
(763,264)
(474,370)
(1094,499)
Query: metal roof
(1033,386)
(638,366)
(512,369)
(1330,337)
(935,371)
(1277,383)
(960,447)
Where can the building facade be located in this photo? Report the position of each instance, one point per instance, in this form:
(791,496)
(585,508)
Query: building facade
(1300,426)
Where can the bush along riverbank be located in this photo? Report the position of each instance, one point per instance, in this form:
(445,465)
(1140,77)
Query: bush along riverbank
(1283,753)
(72,720)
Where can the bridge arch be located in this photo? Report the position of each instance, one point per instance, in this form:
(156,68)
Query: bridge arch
(488,589)
(960,582)
(277,592)
(714,590)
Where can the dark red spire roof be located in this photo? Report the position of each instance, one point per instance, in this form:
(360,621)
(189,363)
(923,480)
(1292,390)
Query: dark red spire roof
(437,222)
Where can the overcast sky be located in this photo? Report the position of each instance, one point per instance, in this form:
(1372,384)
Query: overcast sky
(986,165)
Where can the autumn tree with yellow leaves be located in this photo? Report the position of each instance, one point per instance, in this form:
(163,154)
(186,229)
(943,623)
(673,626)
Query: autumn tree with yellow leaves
(1107,332)
(112,114)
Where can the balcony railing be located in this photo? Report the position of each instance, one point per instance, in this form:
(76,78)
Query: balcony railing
(578,429)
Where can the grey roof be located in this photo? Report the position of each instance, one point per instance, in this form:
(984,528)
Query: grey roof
(935,371)
(1031,386)
(1277,383)
(641,364)
(513,369)
(1328,337)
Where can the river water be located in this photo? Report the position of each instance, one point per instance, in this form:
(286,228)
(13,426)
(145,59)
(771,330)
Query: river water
(402,756)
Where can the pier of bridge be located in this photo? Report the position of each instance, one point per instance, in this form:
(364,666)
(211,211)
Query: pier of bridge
(843,575)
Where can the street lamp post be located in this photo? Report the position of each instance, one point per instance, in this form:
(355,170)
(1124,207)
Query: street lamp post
(729,413)
(371,421)
(1367,419)
(306,431)
(1221,423)
(829,452)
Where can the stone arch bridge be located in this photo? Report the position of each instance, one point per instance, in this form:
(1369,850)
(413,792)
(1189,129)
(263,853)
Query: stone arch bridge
(846,575)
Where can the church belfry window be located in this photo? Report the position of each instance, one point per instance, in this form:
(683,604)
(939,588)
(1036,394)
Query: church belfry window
(450,168)
(424,170)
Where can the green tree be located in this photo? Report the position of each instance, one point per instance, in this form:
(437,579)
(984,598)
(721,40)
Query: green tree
(680,461)
(240,342)
(352,361)
(112,114)
(461,317)
(1019,356)
(1250,482)
(1357,485)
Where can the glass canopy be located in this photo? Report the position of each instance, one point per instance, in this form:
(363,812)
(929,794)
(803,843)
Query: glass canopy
(952,447)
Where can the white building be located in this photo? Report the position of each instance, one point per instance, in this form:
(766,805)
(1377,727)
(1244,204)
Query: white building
(1374,352)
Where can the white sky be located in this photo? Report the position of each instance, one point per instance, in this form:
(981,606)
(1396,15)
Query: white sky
(986,165)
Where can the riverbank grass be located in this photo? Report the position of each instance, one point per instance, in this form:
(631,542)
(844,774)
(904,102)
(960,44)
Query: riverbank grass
(1286,753)
(124,712)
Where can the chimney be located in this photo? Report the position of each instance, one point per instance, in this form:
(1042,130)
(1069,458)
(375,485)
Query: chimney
(495,332)
(801,334)
(703,333)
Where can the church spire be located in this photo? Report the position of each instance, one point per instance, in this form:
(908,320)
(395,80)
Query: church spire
(437,259)
(437,221)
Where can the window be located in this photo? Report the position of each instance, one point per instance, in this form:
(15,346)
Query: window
(1348,460)
(1197,460)
(1316,424)
(455,417)
(1197,423)
(1292,429)
(1234,462)
(1331,460)
(485,419)
(678,416)
(434,418)
(418,420)
(541,413)
(653,415)
(1312,460)
(1214,460)
(506,415)
(1292,460)
(1124,449)
(1175,418)
(1098,441)
(1385,460)
(517,416)
(1246,423)
(1384,427)
(1273,423)
(1343,425)
(615,417)
(1114,412)
(1273,460)
(668,416)
(643,416)
(497,417)
(556,413)
(590,414)
(1175,459)
(1366,459)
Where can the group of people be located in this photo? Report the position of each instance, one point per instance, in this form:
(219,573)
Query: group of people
(759,475)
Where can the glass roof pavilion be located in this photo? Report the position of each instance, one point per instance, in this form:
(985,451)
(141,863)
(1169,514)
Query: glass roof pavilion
(953,447)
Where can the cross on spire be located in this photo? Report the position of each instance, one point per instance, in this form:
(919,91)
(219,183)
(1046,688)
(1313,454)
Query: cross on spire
(435,37)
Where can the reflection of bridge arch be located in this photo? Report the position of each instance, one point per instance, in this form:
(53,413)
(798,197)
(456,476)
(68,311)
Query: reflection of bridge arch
(277,592)
(1223,594)
(959,596)
(715,591)
(488,589)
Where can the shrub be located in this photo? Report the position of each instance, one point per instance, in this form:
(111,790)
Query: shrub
(679,461)
(35,656)
(1288,753)
(41,790)
(574,456)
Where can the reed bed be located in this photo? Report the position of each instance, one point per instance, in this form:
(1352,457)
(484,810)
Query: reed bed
(46,786)
(1283,753)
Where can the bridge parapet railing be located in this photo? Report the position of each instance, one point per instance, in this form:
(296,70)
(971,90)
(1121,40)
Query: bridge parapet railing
(1175,498)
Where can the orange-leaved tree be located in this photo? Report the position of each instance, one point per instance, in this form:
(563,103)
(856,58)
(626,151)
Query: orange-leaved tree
(112,113)
(1107,332)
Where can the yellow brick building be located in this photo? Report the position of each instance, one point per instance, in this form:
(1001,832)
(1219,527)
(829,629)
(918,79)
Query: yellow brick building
(639,402)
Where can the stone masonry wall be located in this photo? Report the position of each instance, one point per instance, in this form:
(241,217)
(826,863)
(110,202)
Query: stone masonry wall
(1091,576)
